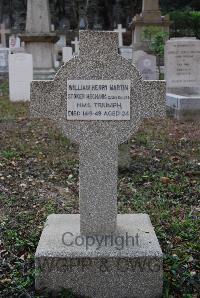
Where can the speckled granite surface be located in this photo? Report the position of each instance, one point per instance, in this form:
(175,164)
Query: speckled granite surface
(98,140)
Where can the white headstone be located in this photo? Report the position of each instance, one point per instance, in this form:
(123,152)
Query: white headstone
(76,46)
(182,63)
(67,54)
(126,52)
(120,31)
(61,42)
(14,42)
(20,76)
(4,52)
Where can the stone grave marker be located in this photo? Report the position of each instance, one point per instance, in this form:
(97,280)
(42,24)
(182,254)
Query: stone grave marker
(14,42)
(146,64)
(67,54)
(182,74)
(4,52)
(3,32)
(120,32)
(98,100)
(39,40)
(20,76)
(76,46)
(126,52)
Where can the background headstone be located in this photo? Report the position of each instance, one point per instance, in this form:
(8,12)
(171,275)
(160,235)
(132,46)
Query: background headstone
(150,16)
(61,42)
(14,42)
(120,32)
(20,76)
(182,64)
(146,64)
(4,52)
(182,74)
(3,33)
(39,40)
(126,52)
(67,54)
(76,46)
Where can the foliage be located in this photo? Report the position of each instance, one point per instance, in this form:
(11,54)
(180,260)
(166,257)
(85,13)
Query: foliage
(171,5)
(156,39)
(185,23)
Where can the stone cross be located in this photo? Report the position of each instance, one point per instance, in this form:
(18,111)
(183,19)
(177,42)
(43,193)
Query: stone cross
(120,31)
(150,5)
(3,32)
(76,44)
(97,137)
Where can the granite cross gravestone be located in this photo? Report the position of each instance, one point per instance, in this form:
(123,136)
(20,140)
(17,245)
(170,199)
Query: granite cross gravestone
(98,100)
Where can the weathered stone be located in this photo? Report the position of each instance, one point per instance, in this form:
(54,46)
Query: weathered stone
(182,73)
(20,76)
(150,16)
(3,33)
(39,41)
(4,52)
(127,263)
(67,54)
(99,62)
(98,140)
(146,64)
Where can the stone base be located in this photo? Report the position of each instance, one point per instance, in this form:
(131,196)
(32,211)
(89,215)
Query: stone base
(125,264)
(183,107)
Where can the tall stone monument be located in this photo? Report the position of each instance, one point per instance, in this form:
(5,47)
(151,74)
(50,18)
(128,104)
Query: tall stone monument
(99,100)
(39,41)
(150,16)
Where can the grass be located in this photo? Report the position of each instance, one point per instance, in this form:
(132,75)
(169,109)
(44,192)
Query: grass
(39,176)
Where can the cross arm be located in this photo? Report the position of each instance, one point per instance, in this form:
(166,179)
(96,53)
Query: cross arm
(44,103)
(154,99)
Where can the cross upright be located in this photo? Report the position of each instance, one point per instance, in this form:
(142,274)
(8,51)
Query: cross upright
(3,32)
(98,137)
(120,32)
(76,45)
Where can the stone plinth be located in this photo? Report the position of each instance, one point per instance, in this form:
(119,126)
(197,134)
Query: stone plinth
(150,16)
(39,41)
(127,263)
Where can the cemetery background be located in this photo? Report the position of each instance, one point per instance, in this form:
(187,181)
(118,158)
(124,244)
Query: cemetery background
(41,179)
